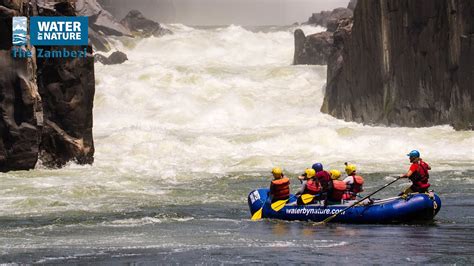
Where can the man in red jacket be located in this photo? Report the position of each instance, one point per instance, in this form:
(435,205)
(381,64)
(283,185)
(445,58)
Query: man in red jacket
(418,174)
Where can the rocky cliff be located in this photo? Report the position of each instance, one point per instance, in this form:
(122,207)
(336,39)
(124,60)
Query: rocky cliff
(328,18)
(404,63)
(45,104)
(315,49)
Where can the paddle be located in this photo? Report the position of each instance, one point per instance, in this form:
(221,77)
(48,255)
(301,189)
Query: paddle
(307,198)
(354,204)
(257,215)
(278,205)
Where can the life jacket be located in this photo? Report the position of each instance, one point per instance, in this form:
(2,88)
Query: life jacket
(324,179)
(356,186)
(312,187)
(338,190)
(420,177)
(280,188)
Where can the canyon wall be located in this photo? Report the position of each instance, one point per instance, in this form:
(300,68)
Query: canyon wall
(403,63)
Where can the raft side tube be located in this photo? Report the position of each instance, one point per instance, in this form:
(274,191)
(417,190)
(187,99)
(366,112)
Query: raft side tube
(415,208)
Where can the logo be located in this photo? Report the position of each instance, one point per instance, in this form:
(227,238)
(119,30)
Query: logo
(50,31)
(20,30)
(59,31)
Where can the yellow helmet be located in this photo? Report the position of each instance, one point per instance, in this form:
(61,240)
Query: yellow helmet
(335,174)
(277,171)
(310,173)
(350,168)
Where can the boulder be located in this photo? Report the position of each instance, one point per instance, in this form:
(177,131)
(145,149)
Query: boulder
(98,41)
(143,27)
(116,57)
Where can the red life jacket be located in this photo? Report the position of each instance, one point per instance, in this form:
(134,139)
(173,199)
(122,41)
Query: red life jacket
(280,188)
(312,187)
(338,190)
(420,177)
(324,179)
(356,186)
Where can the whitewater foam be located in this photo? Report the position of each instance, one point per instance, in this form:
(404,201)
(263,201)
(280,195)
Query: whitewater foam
(227,100)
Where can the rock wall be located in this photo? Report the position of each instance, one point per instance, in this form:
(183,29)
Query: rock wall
(325,18)
(45,105)
(313,49)
(404,63)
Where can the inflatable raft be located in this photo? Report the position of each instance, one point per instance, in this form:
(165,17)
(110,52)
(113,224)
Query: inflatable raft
(414,208)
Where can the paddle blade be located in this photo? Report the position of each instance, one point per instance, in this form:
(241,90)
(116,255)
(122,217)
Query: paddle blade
(278,205)
(307,198)
(257,215)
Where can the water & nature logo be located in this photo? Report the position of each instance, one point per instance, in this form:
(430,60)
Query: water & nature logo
(50,31)
(20,30)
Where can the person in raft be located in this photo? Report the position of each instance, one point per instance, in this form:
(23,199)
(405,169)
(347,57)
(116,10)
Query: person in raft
(324,179)
(338,190)
(418,174)
(335,174)
(280,185)
(354,182)
(309,185)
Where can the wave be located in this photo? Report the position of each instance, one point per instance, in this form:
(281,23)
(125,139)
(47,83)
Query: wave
(227,99)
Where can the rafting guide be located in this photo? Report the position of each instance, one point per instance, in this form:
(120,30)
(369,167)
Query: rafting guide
(50,31)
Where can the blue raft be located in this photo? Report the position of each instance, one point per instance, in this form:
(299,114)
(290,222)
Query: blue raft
(414,208)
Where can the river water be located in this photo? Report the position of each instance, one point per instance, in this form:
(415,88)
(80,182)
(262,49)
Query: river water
(191,124)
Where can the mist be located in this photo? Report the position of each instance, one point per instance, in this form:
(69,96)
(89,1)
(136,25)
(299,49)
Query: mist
(225,12)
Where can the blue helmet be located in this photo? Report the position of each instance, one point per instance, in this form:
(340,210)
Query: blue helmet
(414,154)
(317,167)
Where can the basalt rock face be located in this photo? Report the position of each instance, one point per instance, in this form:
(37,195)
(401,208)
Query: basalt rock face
(325,18)
(67,88)
(313,49)
(142,26)
(20,105)
(404,63)
(100,19)
(352,4)
(46,104)
(101,24)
